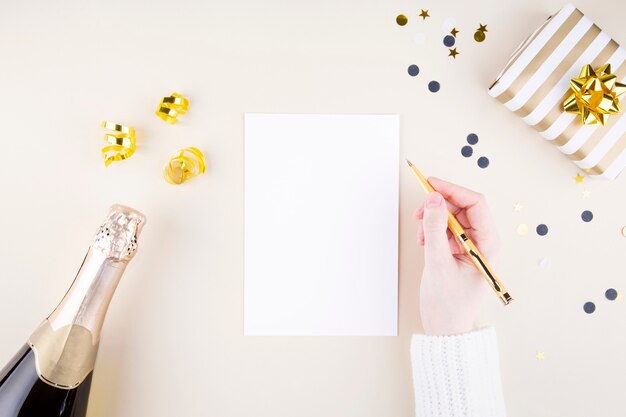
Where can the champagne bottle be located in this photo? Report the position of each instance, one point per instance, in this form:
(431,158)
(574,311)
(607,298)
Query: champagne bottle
(51,374)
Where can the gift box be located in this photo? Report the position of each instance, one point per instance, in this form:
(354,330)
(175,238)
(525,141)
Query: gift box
(536,84)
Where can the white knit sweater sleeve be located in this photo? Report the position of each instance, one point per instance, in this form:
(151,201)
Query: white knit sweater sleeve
(457,375)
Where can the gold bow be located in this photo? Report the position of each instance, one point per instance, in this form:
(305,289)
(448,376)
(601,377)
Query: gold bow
(595,95)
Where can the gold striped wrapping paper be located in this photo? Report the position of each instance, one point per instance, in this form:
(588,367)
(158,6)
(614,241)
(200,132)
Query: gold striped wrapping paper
(535,82)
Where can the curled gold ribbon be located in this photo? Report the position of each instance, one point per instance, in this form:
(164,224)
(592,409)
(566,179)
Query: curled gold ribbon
(186,164)
(171,107)
(121,144)
(595,95)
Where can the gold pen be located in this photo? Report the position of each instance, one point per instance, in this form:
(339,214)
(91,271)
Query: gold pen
(470,248)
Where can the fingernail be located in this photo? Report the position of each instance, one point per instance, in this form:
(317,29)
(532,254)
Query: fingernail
(433,200)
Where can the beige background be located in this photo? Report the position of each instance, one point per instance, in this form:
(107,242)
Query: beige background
(173,341)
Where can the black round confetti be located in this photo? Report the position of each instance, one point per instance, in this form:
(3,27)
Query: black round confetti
(542,230)
(610,294)
(483,162)
(433,86)
(413,70)
(587,216)
(589,307)
(472,138)
(467,151)
(449,41)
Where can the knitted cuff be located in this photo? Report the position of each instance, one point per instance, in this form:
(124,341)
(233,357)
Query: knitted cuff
(457,375)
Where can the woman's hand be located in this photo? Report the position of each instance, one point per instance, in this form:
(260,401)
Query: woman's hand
(452,288)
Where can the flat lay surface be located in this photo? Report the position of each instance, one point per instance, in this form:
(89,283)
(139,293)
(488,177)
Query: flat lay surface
(173,340)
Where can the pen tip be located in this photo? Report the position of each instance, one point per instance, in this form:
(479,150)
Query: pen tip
(409,162)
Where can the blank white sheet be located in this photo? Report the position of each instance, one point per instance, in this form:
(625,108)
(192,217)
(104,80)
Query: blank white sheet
(321,225)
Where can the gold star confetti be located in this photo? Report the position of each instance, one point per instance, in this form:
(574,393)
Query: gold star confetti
(579,178)
(522,229)
(453,53)
(424,14)
(402,20)
(586,193)
(454,31)
(540,356)
(517,207)
(482,28)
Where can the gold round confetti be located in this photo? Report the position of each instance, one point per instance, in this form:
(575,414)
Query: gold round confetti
(402,20)
(624,231)
(522,229)
(479,36)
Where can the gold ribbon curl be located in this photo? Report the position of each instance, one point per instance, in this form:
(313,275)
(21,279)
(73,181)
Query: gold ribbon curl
(186,164)
(171,107)
(595,95)
(121,146)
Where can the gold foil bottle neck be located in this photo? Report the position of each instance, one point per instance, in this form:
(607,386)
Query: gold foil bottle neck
(66,343)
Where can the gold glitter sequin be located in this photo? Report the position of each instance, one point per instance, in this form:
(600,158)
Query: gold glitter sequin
(171,107)
(186,164)
(122,144)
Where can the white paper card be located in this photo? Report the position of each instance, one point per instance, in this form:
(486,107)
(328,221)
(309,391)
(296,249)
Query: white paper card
(321,224)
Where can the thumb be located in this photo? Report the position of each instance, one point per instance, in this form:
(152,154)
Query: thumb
(435,224)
